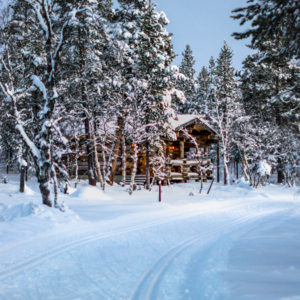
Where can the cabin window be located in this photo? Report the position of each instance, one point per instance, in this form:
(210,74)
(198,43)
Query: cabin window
(83,158)
(176,169)
(193,169)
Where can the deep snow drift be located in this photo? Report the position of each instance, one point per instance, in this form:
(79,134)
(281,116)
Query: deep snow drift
(236,243)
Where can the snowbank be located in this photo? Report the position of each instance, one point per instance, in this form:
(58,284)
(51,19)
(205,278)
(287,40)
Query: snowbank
(90,193)
(21,210)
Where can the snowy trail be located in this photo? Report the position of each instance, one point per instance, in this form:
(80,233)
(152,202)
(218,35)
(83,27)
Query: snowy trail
(88,235)
(44,256)
(137,249)
(149,286)
(23,266)
(205,269)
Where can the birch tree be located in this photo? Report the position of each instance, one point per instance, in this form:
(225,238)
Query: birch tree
(41,29)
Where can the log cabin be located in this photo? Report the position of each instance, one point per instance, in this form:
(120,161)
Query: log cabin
(185,156)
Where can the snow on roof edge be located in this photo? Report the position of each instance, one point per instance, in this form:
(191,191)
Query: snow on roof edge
(186,119)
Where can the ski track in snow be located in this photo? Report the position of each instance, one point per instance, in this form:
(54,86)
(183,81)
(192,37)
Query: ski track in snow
(44,256)
(149,285)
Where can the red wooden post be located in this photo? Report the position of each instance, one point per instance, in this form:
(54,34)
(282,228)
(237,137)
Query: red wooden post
(159,191)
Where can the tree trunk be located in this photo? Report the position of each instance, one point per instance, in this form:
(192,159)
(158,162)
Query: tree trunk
(104,165)
(124,162)
(26,173)
(116,150)
(97,164)
(22,179)
(201,184)
(55,190)
(107,169)
(43,176)
(85,103)
(280,174)
(91,170)
(226,171)
(147,166)
(45,194)
(134,169)
(53,175)
(245,168)
(76,161)
(218,161)
(9,159)
(44,165)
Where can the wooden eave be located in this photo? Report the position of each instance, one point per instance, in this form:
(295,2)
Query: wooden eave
(196,121)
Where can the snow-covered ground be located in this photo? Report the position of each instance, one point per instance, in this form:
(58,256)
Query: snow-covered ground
(235,243)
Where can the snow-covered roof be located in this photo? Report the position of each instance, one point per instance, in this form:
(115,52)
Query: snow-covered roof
(184,120)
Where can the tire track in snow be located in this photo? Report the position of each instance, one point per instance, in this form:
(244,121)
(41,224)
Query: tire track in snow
(148,286)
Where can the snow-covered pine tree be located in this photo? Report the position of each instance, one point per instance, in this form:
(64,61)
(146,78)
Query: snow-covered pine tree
(203,91)
(270,96)
(271,20)
(10,136)
(85,75)
(124,81)
(207,94)
(209,104)
(8,133)
(224,107)
(154,54)
(212,68)
(275,68)
(187,84)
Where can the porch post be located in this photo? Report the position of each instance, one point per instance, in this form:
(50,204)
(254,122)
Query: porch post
(206,151)
(181,149)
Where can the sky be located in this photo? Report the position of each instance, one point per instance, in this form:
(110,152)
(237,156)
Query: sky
(204,25)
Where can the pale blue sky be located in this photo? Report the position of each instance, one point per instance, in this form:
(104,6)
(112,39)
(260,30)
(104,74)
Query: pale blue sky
(204,24)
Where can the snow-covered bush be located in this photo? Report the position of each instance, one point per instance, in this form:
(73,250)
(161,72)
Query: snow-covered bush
(262,173)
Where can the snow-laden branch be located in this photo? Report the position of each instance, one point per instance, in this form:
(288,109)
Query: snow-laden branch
(40,85)
(37,8)
(72,17)
(33,149)
(20,127)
